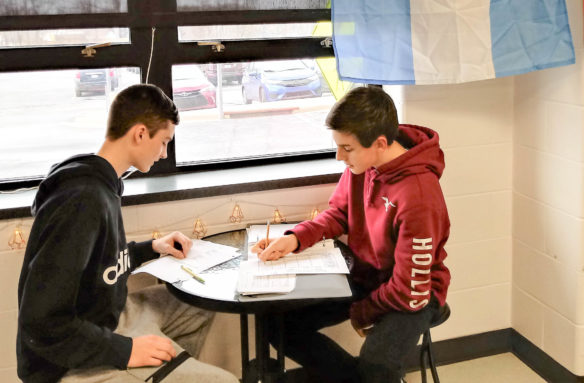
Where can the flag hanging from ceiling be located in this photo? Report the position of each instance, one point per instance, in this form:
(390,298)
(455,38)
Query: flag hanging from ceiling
(448,41)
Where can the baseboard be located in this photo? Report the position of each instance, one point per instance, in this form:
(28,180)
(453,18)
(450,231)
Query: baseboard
(465,348)
(541,362)
(481,345)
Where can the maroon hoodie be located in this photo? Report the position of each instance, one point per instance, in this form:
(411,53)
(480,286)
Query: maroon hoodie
(397,224)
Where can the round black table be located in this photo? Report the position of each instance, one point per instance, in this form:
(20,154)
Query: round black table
(263,369)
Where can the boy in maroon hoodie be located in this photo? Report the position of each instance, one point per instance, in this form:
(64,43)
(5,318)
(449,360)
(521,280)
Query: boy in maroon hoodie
(390,204)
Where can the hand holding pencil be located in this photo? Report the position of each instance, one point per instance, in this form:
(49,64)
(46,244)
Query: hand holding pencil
(277,248)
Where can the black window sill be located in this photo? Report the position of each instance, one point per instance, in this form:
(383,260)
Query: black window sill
(202,184)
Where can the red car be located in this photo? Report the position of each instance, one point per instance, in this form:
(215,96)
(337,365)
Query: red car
(191,89)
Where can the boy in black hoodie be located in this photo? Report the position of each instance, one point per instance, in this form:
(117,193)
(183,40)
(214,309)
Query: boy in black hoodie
(76,321)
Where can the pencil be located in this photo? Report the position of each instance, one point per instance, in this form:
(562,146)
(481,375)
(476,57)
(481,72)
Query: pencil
(199,279)
(268,233)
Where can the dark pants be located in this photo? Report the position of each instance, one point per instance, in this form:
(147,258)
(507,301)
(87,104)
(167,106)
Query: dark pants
(382,355)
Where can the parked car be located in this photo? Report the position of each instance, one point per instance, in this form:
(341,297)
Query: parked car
(95,80)
(191,89)
(311,64)
(230,72)
(277,80)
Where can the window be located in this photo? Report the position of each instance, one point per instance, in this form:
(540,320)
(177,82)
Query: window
(231,5)
(46,116)
(62,37)
(248,77)
(236,111)
(61,7)
(264,31)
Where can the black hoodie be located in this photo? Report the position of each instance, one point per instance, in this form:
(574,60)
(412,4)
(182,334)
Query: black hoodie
(72,286)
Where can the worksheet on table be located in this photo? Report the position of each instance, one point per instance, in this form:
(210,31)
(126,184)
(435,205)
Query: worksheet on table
(250,284)
(314,260)
(202,256)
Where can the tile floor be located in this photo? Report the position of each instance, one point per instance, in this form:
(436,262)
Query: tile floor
(501,368)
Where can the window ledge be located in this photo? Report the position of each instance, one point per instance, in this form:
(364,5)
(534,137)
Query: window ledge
(202,184)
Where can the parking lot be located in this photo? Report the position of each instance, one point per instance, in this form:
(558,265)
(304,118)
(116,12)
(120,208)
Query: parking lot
(46,122)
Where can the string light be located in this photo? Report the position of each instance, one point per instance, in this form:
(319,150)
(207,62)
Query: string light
(199,230)
(17,240)
(314,213)
(278,217)
(236,214)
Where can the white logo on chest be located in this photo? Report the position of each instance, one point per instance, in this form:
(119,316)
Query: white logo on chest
(111,274)
(387,203)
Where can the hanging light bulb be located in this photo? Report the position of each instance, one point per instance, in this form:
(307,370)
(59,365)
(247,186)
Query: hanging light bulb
(156,234)
(236,214)
(314,213)
(17,240)
(278,217)
(199,230)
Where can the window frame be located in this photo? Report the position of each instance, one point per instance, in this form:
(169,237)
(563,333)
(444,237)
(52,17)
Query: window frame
(141,17)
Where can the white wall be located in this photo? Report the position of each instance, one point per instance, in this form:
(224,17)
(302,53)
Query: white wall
(474,121)
(548,207)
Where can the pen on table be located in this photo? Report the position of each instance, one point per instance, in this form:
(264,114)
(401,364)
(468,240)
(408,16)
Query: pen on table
(268,233)
(199,279)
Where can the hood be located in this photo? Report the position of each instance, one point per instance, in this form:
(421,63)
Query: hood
(75,169)
(290,74)
(423,155)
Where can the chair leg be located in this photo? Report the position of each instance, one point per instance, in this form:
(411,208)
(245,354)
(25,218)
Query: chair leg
(431,360)
(423,352)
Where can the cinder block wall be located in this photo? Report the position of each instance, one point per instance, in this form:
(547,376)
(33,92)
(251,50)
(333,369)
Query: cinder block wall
(475,124)
(548,206)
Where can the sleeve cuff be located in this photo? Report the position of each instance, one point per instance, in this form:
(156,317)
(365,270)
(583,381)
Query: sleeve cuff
(142,252)
(357,314)
(121,351)
(302,235)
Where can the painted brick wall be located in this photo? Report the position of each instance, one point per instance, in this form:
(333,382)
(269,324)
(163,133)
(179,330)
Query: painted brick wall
(548,206)
(475,124)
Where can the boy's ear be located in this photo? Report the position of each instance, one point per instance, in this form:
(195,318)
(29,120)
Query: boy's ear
(139,131)
(381,142)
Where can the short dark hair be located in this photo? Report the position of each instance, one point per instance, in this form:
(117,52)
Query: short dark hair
(367,113)
(142,103)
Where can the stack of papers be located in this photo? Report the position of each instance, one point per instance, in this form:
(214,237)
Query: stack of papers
(270,277)
(248,283)
(202,256)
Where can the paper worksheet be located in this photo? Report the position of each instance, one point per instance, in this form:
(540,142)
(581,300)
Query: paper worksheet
(202,256)
(321,258)
(314,260)
(219,286)
(250,284)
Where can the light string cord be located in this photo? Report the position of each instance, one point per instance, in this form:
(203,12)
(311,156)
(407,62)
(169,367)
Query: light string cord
(188,220)
(151,54)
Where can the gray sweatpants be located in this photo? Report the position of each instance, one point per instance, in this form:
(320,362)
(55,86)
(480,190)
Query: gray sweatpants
(154,310)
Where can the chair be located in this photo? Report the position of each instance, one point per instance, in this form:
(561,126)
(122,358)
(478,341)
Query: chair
(426,349)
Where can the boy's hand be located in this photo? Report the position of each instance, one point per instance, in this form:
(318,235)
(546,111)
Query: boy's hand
(150,350)
(176,244)
(361,331)
(276,248)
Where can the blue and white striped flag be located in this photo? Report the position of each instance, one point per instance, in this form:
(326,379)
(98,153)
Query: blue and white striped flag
(448,41)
